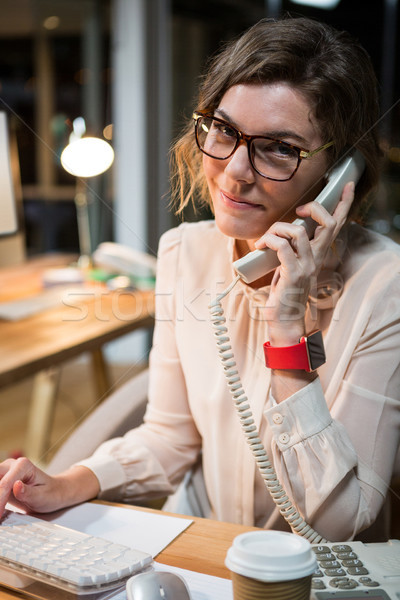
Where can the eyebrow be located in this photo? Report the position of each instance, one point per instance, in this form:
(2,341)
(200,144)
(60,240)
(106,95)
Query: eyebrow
(279,134)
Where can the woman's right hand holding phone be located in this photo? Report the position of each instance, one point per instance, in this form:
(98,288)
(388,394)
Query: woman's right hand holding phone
(301,261)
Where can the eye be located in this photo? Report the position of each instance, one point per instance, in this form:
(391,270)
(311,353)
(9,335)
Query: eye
(276,150)
(224,129)
(282,150)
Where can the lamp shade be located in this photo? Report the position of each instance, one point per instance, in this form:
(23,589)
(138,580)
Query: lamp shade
(87,157)
(325,4)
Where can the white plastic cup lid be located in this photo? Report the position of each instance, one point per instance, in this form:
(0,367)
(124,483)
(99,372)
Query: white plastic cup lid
(271,556)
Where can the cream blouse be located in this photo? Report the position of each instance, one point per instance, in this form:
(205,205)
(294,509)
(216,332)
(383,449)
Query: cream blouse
(333,444)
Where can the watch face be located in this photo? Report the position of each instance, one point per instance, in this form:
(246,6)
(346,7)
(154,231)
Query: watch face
(316,351)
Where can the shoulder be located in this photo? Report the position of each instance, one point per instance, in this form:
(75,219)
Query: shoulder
(191,236)
(371,242)
(368,251)
(371,271)
(197,253)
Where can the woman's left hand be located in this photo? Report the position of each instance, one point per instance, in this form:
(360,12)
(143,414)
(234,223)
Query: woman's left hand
(301,260)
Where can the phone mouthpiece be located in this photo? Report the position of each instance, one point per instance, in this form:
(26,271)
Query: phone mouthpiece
(256,264)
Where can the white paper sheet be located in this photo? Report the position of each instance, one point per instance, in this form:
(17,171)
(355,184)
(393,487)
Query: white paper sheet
(144,531)
(202,587)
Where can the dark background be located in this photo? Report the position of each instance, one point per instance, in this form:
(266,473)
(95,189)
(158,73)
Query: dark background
(198,29)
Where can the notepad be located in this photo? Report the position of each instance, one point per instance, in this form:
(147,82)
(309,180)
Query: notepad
(149,532)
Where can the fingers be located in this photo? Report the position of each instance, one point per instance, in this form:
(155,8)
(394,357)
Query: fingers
(10,473)
(299,255)
(291,244)
(15,477)
(343,208)
(331,224)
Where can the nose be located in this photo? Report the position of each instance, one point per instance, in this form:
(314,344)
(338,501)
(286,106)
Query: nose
(238,165)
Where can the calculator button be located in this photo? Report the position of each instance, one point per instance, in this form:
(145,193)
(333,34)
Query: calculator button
(318,573)
(318,584)
(319,549)
(337,572)
(330,564)
(346,555)
(336,580)
(352,562)
(341,548)
(348,585)
(368,582)
(325,556)
(357,571)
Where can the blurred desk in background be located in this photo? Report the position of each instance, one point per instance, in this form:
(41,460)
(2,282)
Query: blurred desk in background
(81,318)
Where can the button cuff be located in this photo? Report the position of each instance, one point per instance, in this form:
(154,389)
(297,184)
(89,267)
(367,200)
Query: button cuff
(284,438)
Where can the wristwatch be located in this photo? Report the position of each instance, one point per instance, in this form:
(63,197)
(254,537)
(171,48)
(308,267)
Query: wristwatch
(307,355)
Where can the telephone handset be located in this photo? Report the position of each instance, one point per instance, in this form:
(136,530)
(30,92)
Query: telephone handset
(249,268)
(260,262)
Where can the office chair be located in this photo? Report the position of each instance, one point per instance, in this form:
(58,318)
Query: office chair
(121,411)
(118,413)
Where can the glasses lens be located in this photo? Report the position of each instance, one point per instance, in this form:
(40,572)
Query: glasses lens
(216,138)
(276,160)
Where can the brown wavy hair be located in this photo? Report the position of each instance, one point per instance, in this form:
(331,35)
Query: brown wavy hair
(329,67)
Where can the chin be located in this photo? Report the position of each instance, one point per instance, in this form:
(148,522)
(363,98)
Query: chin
(239,229)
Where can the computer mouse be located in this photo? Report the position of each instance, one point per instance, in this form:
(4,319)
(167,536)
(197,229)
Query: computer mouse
(157,585)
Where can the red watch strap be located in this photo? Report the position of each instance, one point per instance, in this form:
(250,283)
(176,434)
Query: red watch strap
(288,357)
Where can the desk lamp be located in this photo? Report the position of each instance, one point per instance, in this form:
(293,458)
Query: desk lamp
(84,158)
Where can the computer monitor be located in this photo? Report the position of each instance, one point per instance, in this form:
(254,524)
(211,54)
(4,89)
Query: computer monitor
(8,206)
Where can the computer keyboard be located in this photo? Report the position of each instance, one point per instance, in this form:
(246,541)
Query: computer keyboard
(38,556)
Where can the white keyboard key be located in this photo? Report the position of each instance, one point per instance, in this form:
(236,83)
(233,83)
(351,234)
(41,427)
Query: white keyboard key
(52,568)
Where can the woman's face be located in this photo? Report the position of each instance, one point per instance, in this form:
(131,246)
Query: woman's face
(246,204)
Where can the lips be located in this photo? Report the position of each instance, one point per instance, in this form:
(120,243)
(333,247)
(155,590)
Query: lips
(238,203)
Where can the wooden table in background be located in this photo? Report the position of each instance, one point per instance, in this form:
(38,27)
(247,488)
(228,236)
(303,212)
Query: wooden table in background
(85,319)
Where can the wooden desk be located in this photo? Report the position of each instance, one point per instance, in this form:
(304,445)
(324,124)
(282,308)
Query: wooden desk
(86,318)
(202,547)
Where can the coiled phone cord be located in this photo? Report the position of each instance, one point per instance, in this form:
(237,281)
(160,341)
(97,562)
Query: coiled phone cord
(279,496)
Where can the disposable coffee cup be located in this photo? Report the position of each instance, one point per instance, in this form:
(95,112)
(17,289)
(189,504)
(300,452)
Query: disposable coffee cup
(271,565)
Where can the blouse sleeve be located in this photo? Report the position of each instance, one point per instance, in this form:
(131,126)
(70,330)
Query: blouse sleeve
(336,465)
(149,461)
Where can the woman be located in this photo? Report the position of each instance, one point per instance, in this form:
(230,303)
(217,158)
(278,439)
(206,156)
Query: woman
(308,95)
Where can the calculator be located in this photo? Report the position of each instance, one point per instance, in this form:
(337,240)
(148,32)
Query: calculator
(354,570)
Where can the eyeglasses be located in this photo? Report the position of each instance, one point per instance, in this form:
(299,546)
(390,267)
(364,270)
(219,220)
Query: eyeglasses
(270,158)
